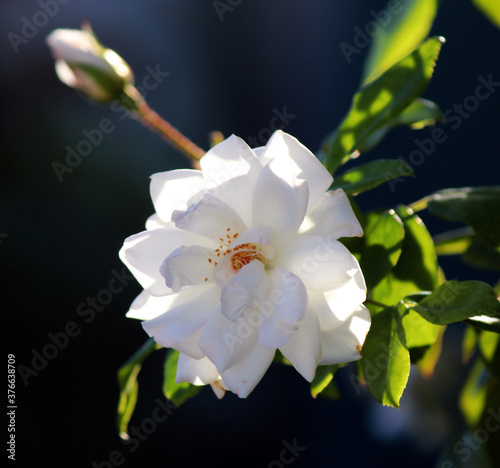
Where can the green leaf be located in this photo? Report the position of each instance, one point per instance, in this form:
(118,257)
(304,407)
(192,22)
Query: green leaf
(409,23)
(419,114)
(127,382)
(416,269)
(371,175)
(491,8)
(382,248)
(381,101)
(419,332)
(177,393)
(475,206)
(455,301)
(322,379)
(454,242)
(386,359)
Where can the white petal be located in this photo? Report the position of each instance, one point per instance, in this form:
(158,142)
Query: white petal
(145,252)
(225,343)
(211,218)
(195,371)
(78,47)
(185,318)
(246,374)
(279,205)
(147,307)
(65,73)
(332,215)
(321,263)
(155,222)
(175,190)
(303,349)
(245,290)
(344,344)
(284,307)
(290,157)
(229,159)
(335,306)
(189,345)
(187,266)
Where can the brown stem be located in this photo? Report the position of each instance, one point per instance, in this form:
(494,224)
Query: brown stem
(149,118)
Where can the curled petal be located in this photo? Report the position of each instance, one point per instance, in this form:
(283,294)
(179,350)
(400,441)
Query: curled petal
(247,373)
(303,349)
(290,158)
(145,252)
(284,307)
(175,190)
(229,159)
(335,306)
(343,344)
(321,263)
(211,218)
(332,216)
(279,205)
(186,317)
(226,342)
(187,266)
(195,371)
(246,289)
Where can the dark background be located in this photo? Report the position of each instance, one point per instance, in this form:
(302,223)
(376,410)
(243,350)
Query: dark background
(60,240)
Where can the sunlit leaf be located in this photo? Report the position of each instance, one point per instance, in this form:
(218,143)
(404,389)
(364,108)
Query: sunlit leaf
(455,301)
(428,362)
(177,393)
(454,242)
(419,332)
(491,8)
(416,269)
(127,381)
(386,359)
(381,101)
(406,26)
(384,236)
(475,206)
(419,114)
(371,175)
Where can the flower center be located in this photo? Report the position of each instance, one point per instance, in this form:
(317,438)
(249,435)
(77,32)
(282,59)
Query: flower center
(240,255)
(245,254)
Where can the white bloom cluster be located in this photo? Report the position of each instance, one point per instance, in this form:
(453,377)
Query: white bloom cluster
(241,258)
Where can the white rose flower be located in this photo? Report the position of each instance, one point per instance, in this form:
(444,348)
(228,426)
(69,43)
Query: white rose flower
(84,64)
(242,258)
